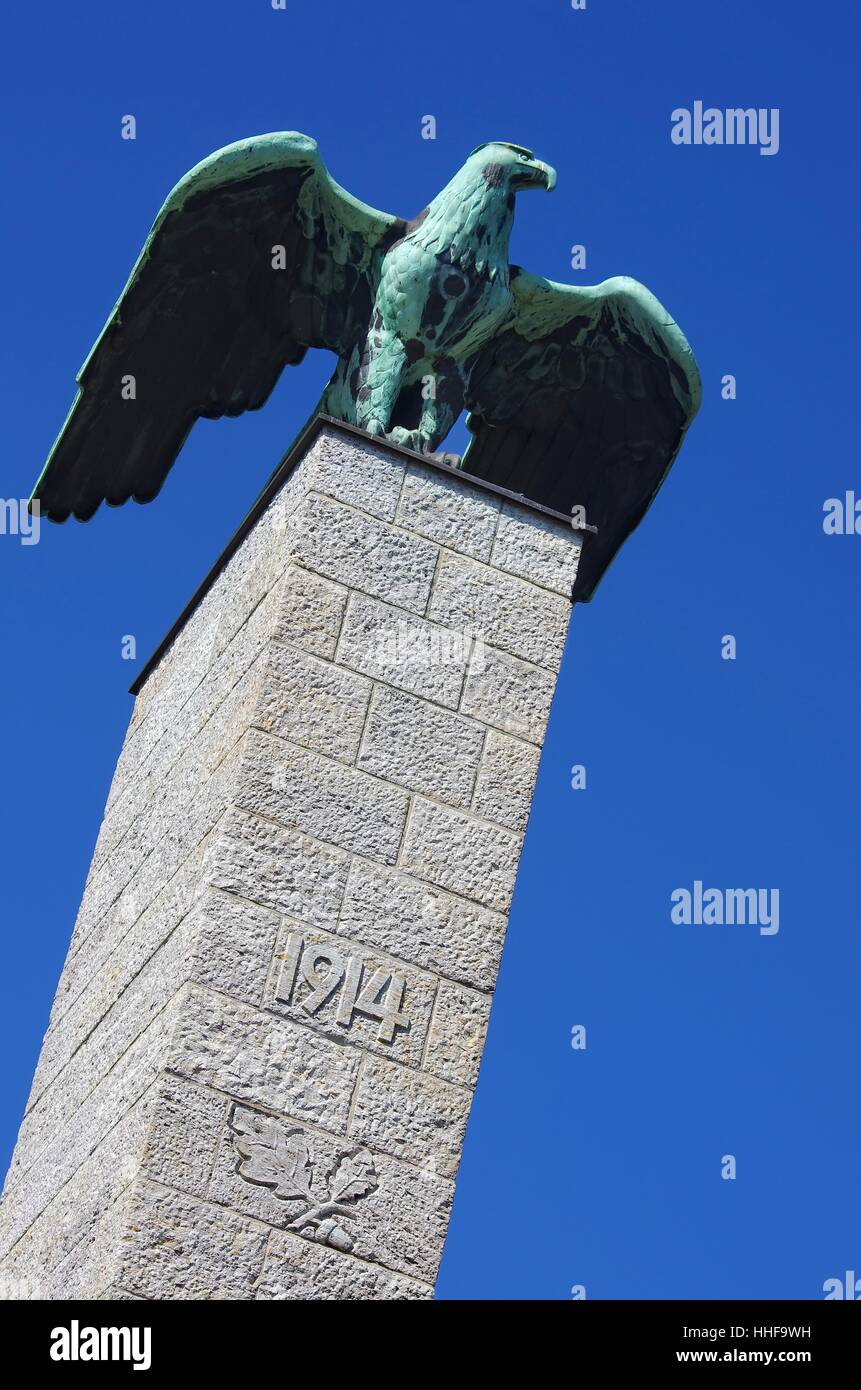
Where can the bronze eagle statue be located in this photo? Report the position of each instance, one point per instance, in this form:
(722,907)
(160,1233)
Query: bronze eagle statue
(578,396)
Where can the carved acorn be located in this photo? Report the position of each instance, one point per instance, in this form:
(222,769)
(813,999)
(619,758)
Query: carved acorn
(330,1233)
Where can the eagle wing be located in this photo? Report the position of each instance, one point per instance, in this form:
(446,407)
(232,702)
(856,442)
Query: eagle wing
(582,400)
(256,256)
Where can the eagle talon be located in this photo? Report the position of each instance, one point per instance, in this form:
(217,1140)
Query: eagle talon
(407,439)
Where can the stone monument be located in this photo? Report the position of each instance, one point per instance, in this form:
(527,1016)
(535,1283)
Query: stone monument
(260,1061)
(263,1049)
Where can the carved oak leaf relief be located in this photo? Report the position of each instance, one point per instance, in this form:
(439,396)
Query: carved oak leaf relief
(276,1160)
(354,1177)
(282,1161)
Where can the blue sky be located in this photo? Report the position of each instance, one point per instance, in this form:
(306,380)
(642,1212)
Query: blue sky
(599,1167)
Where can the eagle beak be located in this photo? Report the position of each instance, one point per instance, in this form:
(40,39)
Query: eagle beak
(549,174)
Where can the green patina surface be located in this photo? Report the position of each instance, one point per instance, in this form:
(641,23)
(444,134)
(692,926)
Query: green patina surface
(577,396)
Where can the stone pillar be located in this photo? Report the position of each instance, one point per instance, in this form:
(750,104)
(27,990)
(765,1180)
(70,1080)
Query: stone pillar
(263,1048)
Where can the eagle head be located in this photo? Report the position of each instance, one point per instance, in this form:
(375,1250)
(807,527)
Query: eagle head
(500,162)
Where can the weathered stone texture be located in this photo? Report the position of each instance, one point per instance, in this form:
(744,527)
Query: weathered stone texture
(509,695)
(443,510)
(450,936)
(461,853)
(348,546)
(510,614)
(262,1052)
(535,548)
(457,1033)
(421,747)
(505,782)
(280,868)
(173,1247)
(322,798)
(411,1115)
(296,1268)
(403,651)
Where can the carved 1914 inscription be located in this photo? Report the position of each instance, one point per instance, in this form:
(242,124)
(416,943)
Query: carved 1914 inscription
(376,993)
